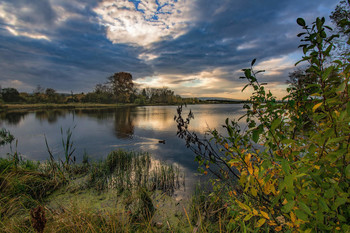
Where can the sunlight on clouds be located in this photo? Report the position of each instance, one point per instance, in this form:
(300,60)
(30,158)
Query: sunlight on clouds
(145,22)
(26,34)
(147,56)
(275,66)
(33,22)
(247,45)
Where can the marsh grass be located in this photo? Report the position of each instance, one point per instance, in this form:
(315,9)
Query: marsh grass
(132,171)
(131,179)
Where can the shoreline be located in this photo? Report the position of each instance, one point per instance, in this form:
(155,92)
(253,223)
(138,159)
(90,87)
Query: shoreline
(39,106)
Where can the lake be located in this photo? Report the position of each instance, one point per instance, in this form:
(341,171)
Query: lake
(99,131)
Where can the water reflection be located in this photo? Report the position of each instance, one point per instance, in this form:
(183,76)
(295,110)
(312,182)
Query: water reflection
(98,131)
(124,123)
(51,116)
(12,118)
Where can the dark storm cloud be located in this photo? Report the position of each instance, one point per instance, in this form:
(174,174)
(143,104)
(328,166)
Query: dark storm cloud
(73,52)
(216,39)
(77,57)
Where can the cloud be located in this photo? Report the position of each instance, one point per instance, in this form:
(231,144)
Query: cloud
(144,22)
(196,48)
(38,18)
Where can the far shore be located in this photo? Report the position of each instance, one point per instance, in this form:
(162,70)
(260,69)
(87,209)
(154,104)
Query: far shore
(38,106)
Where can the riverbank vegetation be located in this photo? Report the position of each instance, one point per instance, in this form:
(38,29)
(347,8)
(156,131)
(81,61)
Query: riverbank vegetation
(126,192)
(119,89)
(289,170)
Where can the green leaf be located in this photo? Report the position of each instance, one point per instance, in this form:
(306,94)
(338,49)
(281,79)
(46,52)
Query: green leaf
(301,22)
(347,171)
(276,123)
(327,72)
(288,181)
(348,108)
(288,207)
(335,140)
(245,87)
(300,214)
(248,73)
(339,201)
(323,205)
(305,208)
(328,50)
(341,88)
(256,133)
(253,62)
(319,24)
(285,166)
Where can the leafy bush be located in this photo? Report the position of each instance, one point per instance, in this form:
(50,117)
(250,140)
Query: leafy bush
(282,175)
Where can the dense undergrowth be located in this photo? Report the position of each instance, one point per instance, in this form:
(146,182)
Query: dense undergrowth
(126,192)
(289,170)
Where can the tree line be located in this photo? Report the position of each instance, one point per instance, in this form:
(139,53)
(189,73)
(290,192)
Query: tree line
(119,88)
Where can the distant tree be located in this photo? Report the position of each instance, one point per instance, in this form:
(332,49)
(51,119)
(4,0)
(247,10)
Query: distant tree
(300,81)
(122,86)
(50,91)
(341,18)
(102,88)
(10,95)
(39,90)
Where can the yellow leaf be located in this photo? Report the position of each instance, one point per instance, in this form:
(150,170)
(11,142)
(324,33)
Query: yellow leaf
(267,188)
(254,192)
(255,212)
(292,217)
(249,216)
(317,167)
(279,228)
(264,214)
(243,206)
(316,106)
(250,169)
(260,222)
(272,223)
(285,202)
(226,146)
(247,158)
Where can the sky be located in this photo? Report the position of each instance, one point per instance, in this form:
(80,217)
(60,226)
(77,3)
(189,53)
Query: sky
(195,47)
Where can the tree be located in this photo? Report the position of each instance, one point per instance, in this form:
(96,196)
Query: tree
(122,86)
(10,95)
(50,91)
(341,18)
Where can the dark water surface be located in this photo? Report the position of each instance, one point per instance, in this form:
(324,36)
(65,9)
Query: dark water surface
(100,131)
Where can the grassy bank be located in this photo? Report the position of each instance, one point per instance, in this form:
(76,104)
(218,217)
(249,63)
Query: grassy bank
(10,107)
(42,106)
(126,192)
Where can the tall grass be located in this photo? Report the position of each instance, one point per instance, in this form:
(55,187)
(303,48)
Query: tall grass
(134,170)
(133,175)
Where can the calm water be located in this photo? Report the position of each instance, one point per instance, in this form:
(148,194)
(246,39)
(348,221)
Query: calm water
(100,131)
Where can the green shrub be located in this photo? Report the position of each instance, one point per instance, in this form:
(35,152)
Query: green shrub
(282,176)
